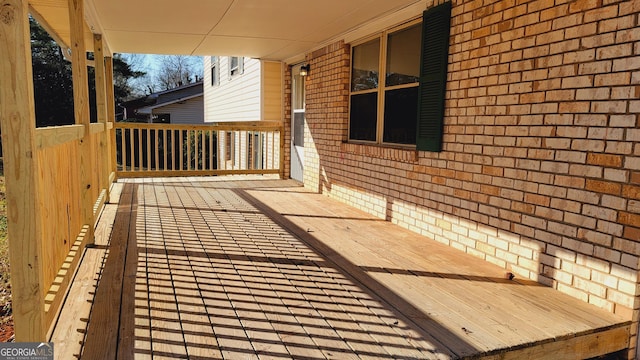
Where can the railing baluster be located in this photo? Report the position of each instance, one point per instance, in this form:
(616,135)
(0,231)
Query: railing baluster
(195,149)
(164,149)
(273,149)
(204,151)
(148,149)
(122,150)
(148,132)
(139,150)
(156,144)
(181,149)
(173,150)
(132,149)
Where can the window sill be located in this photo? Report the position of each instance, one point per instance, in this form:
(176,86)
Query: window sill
(400,154)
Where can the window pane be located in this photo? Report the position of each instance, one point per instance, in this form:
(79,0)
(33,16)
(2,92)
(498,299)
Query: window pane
(297,87)
(365,65)
(298,129)
(403,56)
(363,116)
(400,115)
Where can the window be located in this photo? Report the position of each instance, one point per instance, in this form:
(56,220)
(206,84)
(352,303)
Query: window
(405,105)
(215,71)
(384,109)
(236,65)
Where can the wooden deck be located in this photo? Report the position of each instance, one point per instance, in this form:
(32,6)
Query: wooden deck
(236,268)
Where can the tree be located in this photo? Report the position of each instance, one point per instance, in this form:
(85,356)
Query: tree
(53,81)
(175,71)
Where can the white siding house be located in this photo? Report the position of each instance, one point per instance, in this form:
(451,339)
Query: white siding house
(249,90)
(242,89)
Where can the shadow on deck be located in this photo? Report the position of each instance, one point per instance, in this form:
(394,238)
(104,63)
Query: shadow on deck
(238,269)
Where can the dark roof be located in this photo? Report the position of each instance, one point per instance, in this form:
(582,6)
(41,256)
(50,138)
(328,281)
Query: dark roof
(167,96)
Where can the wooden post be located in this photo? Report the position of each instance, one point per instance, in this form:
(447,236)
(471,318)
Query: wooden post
(111,118)
(17,119)
(81,111)
(101,104)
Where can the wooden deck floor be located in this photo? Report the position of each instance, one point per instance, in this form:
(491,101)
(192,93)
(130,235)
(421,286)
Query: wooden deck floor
(263,269)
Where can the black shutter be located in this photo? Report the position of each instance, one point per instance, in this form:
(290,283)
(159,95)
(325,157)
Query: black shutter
(436,26)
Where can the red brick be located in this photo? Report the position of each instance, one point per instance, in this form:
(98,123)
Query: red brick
(631,63)
(579,56)
(578,32)
(577,82)
(631,191)
(612,79)
(593,94)
(614,51)
(580,6)
(554,12)
(574,107)
(526,20)
(596,41)
(603,187)
(629,219)
(601,13)
(625,22)
(604,160)
(596,67)
(609,107)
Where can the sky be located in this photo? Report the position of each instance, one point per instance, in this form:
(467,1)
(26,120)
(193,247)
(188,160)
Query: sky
(150,64)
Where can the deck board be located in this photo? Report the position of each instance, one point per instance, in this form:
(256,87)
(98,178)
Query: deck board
(235,267)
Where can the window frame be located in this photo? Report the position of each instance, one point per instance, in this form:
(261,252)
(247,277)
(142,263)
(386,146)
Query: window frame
(236,70)
(381,90)
(215,70)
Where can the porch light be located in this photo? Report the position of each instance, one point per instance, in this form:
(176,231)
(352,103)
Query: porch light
(304,70)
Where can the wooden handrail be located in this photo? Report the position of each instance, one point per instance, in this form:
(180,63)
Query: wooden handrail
(57,135)
(245,147)
(226,126)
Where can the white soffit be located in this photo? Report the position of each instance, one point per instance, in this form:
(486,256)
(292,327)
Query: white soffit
(268,29)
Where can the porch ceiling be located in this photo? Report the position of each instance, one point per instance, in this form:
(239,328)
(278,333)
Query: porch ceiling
(274,29)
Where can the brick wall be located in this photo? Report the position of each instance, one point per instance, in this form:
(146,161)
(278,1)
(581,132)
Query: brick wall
(540,172)
(327,106)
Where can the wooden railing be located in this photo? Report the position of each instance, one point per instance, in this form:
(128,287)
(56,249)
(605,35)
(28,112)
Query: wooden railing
(152,150)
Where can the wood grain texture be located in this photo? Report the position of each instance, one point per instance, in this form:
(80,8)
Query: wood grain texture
(81,110)
(242,267)
(17,120)
(102,332)
(57,135)
(111,114)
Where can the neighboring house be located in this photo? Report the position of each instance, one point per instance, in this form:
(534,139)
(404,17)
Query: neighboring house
(181,105)
(239,88)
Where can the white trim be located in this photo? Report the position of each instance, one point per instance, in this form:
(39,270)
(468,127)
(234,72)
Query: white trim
(215,69)
(238,70)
